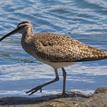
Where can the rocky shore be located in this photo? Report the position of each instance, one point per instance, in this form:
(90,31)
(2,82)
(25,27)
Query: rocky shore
(73,99)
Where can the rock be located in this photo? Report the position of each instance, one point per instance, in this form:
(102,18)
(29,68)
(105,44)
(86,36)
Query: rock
(57,104)
(101,90)
(98,99)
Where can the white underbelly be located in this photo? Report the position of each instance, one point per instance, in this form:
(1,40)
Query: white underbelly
(59,64)
(56,64)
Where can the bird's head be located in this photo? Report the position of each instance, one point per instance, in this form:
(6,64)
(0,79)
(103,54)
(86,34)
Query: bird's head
(21,28)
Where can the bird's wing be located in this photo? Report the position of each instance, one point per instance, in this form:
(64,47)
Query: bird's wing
(56,48)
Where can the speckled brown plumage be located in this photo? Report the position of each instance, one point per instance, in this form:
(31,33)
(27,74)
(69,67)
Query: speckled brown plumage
(60,48)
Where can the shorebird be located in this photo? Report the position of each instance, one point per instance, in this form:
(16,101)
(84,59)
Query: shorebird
(56,50)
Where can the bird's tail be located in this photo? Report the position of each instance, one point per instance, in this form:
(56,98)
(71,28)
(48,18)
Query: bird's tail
(94,54)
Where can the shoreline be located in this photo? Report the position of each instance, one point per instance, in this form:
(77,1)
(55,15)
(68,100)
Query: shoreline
(73,99)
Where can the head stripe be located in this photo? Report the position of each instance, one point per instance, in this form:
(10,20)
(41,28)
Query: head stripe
(23,22)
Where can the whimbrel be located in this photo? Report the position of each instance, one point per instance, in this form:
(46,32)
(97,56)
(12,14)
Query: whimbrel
(56,50)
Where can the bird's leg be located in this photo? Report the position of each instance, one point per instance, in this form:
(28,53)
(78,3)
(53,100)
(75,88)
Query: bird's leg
(64,82)
(35,89)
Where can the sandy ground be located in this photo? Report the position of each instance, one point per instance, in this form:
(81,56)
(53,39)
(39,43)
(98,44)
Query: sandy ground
(77,99)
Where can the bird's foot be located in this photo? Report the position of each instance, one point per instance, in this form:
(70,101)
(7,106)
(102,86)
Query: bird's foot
(67,94)
(33,90)
(64,94)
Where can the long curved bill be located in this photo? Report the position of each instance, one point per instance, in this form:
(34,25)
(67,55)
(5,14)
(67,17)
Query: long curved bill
(10,33)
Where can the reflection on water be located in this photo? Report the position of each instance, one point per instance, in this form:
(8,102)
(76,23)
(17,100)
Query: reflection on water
(85,20)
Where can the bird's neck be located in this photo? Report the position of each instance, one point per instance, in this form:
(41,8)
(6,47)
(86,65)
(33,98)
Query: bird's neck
(27,35)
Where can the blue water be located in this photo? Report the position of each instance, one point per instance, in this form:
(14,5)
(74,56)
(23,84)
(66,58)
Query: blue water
(85,20)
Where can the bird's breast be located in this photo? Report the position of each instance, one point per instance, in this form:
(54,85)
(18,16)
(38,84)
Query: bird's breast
(28,47)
